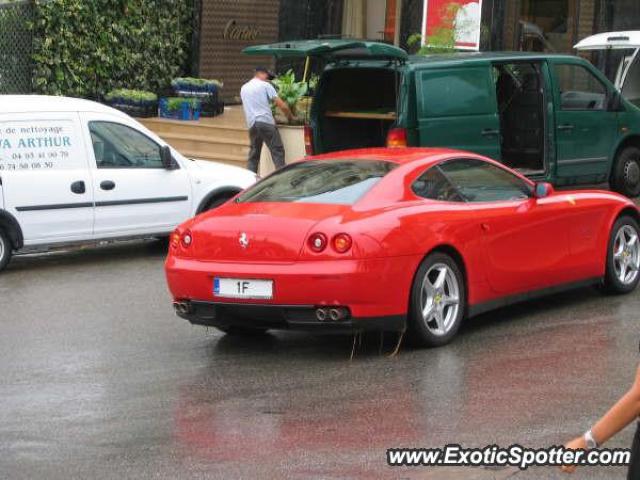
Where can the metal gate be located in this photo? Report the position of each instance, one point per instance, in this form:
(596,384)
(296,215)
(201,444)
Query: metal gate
(16,64)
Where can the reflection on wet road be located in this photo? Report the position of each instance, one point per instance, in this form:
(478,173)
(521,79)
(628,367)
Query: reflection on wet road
(98,378)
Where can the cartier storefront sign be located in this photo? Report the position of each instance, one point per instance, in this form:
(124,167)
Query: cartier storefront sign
(233,31)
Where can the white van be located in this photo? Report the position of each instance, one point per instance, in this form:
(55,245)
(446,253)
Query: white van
(618,56)
(75,171)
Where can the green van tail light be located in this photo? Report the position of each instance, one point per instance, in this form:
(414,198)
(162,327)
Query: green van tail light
(308,140)
(397,138)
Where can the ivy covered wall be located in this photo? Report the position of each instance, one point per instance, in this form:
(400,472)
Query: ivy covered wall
(86,48)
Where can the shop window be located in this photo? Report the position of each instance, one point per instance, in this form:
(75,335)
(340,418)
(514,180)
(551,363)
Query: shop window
(371,19)
(547,25)
(579,88)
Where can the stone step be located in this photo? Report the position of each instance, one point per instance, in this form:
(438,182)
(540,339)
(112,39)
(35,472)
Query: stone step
(228,133)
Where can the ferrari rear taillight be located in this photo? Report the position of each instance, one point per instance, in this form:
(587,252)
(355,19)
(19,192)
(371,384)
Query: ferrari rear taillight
(397,138)
(308,140)
(318,242)
(186,239)
(342,243)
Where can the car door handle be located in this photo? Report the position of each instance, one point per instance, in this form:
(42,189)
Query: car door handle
(107,185)
(78,187)
(567,127)
(490,132)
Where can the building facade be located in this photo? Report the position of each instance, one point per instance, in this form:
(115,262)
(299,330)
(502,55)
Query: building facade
(228,26)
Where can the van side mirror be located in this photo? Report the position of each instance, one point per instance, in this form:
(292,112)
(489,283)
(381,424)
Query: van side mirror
(167,158)
(543,190)
(615,101)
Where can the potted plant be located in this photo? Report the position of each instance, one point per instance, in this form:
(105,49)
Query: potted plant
(291,92)
(190,86)
(137,103)
(180,108)
(205,89)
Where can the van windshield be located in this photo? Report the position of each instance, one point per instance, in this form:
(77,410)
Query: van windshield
(340,182)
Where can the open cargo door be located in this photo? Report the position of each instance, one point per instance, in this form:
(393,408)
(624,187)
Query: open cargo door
(329,49)
(356,105)
(627,46)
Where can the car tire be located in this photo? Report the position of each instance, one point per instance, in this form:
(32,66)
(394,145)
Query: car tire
(438,301)
(6,250)
(625,178)
(623,259)
(236,331)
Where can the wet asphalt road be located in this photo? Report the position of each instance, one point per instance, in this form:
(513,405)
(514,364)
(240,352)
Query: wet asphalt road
(98,379)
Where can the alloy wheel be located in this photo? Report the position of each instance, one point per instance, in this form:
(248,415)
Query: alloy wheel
(440,299)
(626,255)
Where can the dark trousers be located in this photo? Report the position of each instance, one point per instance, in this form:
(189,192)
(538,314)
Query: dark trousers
(265,133)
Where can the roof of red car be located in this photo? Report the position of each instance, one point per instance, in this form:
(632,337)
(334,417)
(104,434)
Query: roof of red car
(396,155)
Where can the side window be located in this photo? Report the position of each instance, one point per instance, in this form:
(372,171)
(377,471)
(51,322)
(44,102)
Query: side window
(579,88)
(480,181)
(452,92)
(433,185)
(119,146)
(631,87)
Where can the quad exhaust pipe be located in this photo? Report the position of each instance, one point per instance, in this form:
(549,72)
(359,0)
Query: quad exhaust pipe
(335,314)
(182,308)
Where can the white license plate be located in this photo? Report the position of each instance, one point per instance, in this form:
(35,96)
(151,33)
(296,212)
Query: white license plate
(243,288)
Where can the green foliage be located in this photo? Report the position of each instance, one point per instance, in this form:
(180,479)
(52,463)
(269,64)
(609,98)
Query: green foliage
(131,96)
(290,91)
(88,48)
(196,82)
(443,38)
(175,103)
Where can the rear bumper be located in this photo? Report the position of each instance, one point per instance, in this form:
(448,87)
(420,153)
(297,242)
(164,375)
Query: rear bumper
(376,292)
(282,317)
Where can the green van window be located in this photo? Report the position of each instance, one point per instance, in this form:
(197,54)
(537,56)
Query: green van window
(456,92)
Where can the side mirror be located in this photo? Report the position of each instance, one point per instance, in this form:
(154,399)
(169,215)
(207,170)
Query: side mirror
(543,190)
(167,158)
(615,101)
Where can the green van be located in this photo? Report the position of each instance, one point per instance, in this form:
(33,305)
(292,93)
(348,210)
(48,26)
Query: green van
(555,118)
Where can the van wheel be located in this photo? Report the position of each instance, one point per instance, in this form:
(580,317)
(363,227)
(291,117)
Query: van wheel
(6,249)
(623,256)
(625,178)
(217,201)
(438,301)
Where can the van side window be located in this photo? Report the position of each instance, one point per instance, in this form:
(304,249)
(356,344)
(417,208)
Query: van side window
(579,88)
(480,181)
(433,185)
(119,146)
(456,91)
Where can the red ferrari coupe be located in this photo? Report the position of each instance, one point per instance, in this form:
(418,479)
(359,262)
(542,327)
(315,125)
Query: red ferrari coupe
(395,239)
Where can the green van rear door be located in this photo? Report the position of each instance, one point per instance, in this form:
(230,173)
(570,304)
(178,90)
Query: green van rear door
(457,108)
(329,48)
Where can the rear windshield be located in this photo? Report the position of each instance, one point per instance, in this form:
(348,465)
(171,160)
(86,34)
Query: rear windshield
(341,182)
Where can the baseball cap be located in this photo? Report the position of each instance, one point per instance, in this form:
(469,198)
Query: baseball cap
(269,73)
